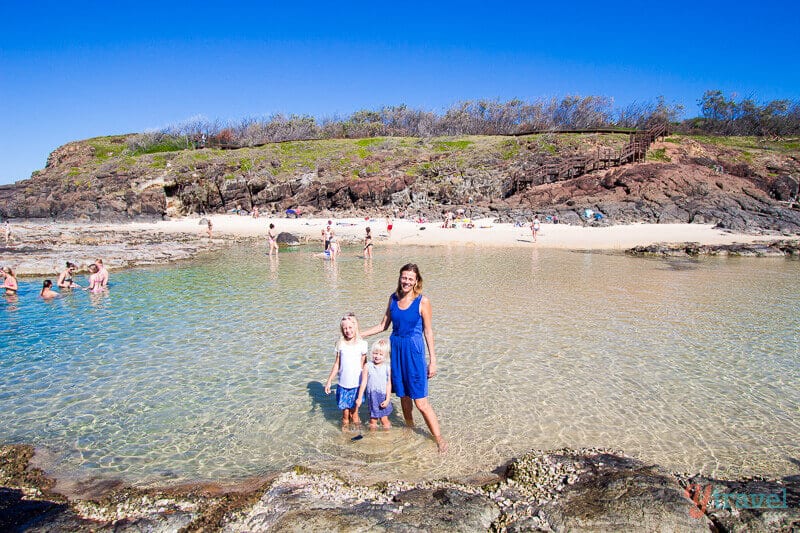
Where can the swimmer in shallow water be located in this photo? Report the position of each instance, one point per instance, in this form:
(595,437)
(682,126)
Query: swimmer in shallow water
(47,290)
(65,280)
(95,279)
(9,281)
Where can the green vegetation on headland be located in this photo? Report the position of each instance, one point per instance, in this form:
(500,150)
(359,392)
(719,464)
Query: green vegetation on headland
(720,116)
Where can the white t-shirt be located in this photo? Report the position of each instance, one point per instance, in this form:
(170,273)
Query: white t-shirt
(350,363)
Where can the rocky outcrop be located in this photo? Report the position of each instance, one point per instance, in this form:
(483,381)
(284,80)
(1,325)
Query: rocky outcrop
(689,182)
(776,248)
(559,490)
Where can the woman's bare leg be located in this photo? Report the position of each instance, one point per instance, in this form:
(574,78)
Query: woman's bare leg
(431,419)
(408,410)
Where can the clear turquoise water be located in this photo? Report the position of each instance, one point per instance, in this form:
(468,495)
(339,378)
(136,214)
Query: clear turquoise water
(213,369)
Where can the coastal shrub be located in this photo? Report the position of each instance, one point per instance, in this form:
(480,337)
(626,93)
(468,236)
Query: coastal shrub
(104,148)
(156,142)
(509,149)
(159,161)
(446,146)
(658,154)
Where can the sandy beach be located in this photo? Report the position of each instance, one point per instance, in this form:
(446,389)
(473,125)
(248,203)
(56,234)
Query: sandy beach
(40,248)
(484,232)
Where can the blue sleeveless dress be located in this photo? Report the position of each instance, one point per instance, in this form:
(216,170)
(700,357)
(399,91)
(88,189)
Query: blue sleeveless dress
(409,368)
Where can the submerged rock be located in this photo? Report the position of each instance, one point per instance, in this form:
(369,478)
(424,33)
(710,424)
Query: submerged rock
(775,248)
(287,239)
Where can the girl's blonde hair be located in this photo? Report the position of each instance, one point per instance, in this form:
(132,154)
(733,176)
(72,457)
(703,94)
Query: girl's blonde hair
(383,346)
(350,317)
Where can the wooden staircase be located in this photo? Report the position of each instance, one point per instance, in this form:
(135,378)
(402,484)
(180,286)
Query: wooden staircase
(561,168)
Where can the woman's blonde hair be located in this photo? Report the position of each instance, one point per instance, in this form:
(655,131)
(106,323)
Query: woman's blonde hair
(410,267)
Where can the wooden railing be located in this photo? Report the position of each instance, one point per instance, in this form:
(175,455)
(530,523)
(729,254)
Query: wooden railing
(560,168)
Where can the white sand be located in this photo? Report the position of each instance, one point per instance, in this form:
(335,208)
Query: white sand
(485,233)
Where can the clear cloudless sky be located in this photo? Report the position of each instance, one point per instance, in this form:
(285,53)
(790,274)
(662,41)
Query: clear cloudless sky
(75,70)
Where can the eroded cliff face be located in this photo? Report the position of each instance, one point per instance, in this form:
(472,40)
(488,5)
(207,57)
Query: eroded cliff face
(741,184)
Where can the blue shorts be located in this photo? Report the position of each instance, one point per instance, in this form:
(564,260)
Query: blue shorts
(346,398)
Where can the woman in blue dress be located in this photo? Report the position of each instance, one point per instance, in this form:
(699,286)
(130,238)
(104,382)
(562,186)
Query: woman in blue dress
(409,313)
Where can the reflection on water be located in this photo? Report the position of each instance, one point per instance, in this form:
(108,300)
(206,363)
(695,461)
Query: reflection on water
(213,369)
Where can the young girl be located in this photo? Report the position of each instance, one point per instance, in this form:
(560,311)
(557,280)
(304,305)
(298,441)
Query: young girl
(368,243)
(351,354)
(95,279)
(376,380)
(9,281)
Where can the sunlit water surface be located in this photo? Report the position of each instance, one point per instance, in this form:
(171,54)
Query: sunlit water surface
(213,369)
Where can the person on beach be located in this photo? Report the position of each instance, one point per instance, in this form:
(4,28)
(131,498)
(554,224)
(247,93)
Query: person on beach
(95,279)
(410,315)
(351,355)
(9,281)
(255,212)
(273,240)
(368,243)
(210,228)
(47,290)
(535,226)
(377,383)
(65,280)
(7,229)
(102,272)
(389,226)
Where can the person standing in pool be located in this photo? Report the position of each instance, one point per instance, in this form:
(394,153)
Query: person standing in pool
(47,291)
(9,281)
(368,244)
(102,273)
(410,314)
(273,240)
(351,356)
(65,280)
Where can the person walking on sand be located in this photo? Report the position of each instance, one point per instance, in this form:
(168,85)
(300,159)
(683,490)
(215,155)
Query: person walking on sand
(351,355)
(409,313)
(9,281)
(65,280)
(368,244)
(389,226)
(273,240)
(376,381)
(7,229)
(535,226)
(210,228)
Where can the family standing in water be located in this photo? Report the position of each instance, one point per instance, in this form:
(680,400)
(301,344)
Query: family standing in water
(410,315)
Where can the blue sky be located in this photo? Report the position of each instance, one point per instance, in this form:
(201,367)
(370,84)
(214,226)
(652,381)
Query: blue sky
(74,70)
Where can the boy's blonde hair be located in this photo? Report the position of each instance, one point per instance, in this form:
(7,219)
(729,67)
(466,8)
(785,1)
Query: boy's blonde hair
(383,346)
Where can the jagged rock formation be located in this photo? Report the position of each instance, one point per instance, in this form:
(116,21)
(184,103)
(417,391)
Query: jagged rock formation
(750,186)
(557,490)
